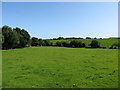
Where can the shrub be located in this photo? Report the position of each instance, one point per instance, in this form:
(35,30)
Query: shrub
(95,44)
(47,43)
(115,46)
(62,44)
(58,44)
(65,44)
(83,45)
(34,41)
(76,44)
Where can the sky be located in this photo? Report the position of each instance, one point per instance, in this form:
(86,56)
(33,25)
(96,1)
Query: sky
(63,19)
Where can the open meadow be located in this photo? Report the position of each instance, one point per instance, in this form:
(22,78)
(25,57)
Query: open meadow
(60,67)
(59,44)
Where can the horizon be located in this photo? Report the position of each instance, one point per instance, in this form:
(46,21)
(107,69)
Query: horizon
(68,19)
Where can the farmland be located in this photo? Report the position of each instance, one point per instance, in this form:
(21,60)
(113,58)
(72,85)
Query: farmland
(60,67)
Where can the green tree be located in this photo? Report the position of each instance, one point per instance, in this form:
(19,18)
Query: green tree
(95,44)
(34,41)
(60,38)
(75,43)
(1,38)
(40,42)
(65,44)
(58,44)
(11,39)
(24,37)
(47,43)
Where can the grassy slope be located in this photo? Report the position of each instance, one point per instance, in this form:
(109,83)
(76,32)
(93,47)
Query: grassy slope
(59,67)
(103,42)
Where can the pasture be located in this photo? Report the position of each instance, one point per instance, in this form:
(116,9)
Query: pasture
(105,42)
(60,67)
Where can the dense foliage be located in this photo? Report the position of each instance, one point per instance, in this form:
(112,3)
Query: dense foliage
(95,44)
(77,44)
(14,38)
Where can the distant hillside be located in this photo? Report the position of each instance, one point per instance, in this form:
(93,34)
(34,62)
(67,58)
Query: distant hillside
(106,42)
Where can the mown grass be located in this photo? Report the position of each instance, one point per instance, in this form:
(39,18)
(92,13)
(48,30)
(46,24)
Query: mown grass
(60,67)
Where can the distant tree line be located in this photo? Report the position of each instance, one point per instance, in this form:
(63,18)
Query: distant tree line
(62,38)
(19,38)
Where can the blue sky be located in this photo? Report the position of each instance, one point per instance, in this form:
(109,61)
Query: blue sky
(66,19)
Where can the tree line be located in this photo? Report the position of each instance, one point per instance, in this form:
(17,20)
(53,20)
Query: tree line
(19,38)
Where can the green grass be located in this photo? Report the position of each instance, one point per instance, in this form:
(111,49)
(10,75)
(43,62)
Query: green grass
(107,42)
(60,67)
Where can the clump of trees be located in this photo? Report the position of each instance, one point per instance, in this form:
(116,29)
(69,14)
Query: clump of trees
(14,38)
(24,37)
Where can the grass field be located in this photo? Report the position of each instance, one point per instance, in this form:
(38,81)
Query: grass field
(60,67)
(106,42)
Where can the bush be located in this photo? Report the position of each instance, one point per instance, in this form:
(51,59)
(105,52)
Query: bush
(65,44)
(62,44)
(47,43)
(58,44)
(34,41)
(76,44)
(83,45)
(115,46)
(95,44)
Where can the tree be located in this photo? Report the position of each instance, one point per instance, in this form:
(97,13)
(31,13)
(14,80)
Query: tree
(62,44)
(14,38)
(1,38)
(40,42)
(60,38)
(34,41)
(115,45)
(11,39)
(95,44)
(65,44)
(95,38)
(88,37)
(58,44)
(83,45)
(24,37)
(74,43)
(47,43)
